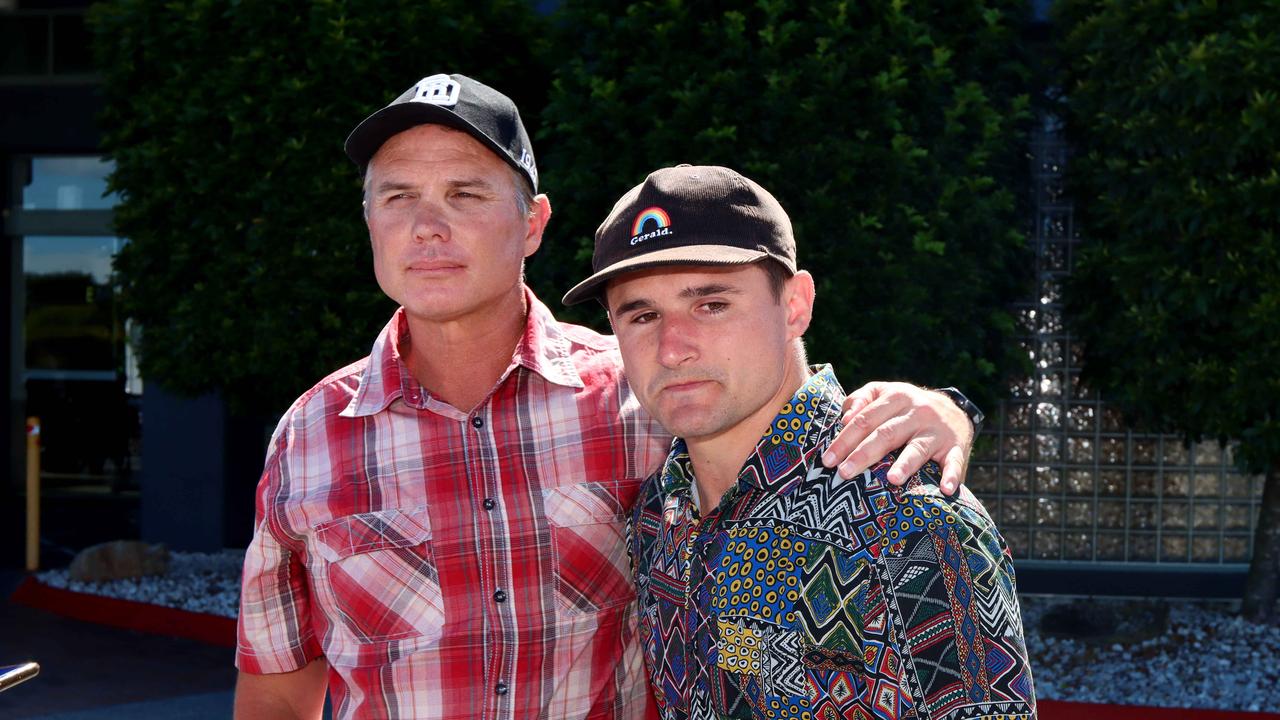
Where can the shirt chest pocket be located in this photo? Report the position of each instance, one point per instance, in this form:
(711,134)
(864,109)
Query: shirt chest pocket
(378,577)
(590,562)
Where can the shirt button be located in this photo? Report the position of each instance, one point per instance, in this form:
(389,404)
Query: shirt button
(489,504)
(477,422)
(500,689)
(500,596)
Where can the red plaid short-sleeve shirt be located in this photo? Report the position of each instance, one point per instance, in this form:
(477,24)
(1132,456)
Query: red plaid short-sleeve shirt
(455,565)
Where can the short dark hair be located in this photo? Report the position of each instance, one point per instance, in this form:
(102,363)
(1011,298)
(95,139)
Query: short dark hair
(778,276)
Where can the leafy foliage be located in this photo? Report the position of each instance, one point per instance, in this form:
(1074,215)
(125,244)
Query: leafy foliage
(891,132)
(1176,106)
(248,263)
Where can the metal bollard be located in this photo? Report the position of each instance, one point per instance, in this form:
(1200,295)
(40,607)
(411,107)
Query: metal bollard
(33,494)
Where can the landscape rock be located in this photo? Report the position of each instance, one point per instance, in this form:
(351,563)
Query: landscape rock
(119,560)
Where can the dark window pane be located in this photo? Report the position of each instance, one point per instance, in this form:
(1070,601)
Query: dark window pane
(72,49)
(24,45)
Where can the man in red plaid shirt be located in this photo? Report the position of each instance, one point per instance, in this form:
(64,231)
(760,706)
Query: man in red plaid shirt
(440,525)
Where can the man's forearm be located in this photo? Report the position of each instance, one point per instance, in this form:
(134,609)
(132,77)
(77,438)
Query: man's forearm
(293,695)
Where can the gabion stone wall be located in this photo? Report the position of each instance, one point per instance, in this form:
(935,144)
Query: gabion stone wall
(1063,476)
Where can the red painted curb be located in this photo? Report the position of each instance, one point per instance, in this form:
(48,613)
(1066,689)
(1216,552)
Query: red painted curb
(127,614)
(1060,710)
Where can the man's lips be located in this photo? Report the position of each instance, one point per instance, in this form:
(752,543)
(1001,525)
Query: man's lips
(685,386)
(435,266)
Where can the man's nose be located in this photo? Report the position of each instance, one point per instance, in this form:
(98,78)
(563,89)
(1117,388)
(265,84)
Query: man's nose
(429,223)
(677,341)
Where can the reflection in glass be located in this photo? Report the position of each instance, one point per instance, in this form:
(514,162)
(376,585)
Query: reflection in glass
(68,183)
(71,319)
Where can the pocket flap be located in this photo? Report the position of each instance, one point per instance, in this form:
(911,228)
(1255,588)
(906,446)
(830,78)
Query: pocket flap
(583,504)
(367,532)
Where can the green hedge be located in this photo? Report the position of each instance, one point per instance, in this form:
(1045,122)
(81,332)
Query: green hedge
(893,133)
(1175,108)
(248,262)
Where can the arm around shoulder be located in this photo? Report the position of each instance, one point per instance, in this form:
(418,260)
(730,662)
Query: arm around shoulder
(298,694)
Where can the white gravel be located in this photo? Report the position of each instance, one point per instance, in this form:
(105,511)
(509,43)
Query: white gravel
(1205,657)
(199,582)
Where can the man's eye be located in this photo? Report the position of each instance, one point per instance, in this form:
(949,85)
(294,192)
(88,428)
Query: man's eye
(715,308)
(643,318)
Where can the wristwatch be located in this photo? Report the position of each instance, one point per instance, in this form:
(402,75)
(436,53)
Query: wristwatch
(973,411)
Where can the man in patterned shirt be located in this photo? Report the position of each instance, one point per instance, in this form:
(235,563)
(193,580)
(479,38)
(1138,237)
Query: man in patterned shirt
(770,588)
(440,525)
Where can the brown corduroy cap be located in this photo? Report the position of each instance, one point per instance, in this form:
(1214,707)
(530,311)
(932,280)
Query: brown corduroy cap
(688,215)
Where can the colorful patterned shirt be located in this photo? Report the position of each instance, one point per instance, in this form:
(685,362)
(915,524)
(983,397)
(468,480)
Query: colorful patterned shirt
(806,596)
(450,564)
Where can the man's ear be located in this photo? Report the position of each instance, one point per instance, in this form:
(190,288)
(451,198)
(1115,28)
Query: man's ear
(797,296)
(539,216)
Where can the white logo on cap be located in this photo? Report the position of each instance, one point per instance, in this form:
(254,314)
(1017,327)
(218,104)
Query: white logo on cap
(526,162)
(437,90)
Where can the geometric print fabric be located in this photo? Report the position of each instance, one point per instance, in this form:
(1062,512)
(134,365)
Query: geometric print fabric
(806,595)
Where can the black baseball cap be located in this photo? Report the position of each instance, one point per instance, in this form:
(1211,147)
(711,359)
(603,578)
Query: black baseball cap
(458,102)
(688,215)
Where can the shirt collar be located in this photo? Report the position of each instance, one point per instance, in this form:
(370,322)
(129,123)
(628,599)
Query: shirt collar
(543,349)
(791,438)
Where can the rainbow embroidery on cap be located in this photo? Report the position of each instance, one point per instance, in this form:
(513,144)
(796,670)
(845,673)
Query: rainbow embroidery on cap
(656,214)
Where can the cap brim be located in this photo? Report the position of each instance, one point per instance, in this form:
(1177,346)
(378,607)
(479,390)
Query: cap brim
(364,142)
(686,255)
